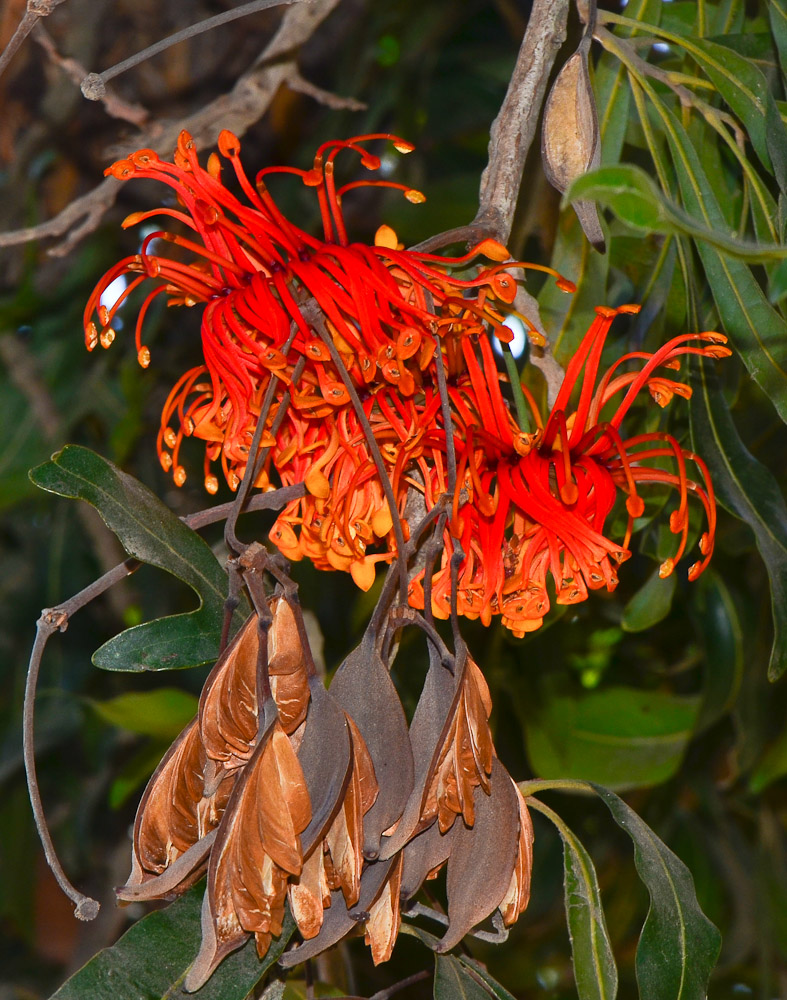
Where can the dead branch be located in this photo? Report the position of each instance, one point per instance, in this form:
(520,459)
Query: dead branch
(237,111)
(36,9)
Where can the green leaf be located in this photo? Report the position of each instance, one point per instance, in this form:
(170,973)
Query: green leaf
(162,713)
(150,532)
(747,489)
(595,972)
(758,331)
(151,959)
(453,981)
(636,200)
(777,11)
(679,946)
(650,605)
(772,765)
(717,620)
(621,737)
(495,988)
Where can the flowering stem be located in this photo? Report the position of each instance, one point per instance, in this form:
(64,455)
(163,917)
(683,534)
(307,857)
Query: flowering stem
(522,417)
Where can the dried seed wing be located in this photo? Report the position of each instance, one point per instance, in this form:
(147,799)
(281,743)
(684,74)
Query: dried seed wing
(382,927)
(428,732)
(175,879)
(325,755)
(291,694)
(362,764)
(178,808)
(364,689)
(344,841)
(518,895)
(310,894)
(257,846)
(479,707)
(482,858)
(276,794)
(228,712)
(338,921)
(285,652)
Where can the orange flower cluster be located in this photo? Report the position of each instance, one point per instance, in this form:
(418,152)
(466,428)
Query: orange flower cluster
(363,423)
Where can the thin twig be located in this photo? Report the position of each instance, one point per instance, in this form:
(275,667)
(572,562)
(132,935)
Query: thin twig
(94,83)
(395,988)
(237,110)
(36,9)
(56,620)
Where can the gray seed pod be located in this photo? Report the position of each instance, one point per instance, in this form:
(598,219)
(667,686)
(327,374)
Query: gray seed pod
(570,140)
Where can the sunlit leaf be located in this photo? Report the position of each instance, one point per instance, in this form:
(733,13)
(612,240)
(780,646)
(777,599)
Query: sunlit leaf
(623,737)
(162,713)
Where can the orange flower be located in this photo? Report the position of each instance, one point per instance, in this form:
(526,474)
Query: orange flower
(542,508)
(272,294)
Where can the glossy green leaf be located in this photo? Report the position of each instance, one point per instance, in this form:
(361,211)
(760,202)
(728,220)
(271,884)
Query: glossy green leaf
(453,981)
(150,532)
(636,200)
(679,946)
(747,489)
(745,89)
(621,737)
(495,989)
(595,971)
(758,332)
(151,959)
(650,605)
(162,713)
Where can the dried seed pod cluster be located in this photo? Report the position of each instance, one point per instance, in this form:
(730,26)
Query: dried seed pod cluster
(286,792)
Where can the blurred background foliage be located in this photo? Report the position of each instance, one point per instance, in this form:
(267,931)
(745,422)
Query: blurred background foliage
(660,690)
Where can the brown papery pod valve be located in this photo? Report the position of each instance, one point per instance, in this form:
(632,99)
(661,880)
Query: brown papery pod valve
(570,140)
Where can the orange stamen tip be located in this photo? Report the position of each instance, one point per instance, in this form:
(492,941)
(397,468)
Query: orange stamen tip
(166,460)
(317,483)
(179,475)
(504,287)
(565,285)
(666,568)
(606,312)
(362,573)
(536,338)
(694,571)
(107,337)
(704,543)
(121,170)
(492,250)
(229,143)
(677,521)
(211,484)
(631,309)
(414,196)
(382,522)
(214,166)
(386,237)
(635,505)
(91,336)
(133,219)
(569,493)
(143,357)
(402,146)
(170,438)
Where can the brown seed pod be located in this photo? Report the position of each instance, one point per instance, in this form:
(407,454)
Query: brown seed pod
(570,138)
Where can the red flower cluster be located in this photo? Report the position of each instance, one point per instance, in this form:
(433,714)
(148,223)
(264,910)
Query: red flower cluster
(356,336)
